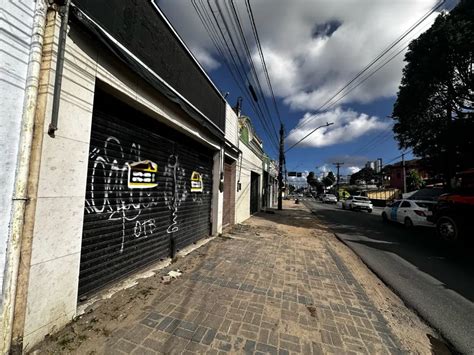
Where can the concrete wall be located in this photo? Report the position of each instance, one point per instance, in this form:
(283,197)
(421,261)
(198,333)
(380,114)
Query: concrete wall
(57,234)
(249,162)
(16,18)
(231,125)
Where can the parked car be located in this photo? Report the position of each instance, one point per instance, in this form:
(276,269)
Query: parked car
(328,198)
(358,203)
(454,212)
(409,212)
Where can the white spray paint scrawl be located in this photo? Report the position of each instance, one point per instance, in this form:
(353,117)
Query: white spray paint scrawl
(142,174)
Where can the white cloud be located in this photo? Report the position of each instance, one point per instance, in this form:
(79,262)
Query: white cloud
(312,48)
(352,169)
(348,125)
(205,58)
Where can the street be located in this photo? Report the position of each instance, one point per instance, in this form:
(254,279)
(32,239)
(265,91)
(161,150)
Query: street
(433,279)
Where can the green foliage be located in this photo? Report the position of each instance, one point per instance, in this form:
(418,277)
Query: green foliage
(366,175)
(315,183)
(414,181)
(311,179)
(329,179)
(434,111)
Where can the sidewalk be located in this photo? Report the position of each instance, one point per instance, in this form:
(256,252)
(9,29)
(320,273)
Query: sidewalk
(278,284)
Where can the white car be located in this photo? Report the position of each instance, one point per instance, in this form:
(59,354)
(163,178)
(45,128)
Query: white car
(409,212)
(329,198)
(358,203)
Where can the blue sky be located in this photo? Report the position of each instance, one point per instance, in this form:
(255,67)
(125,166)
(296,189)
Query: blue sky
(312,49)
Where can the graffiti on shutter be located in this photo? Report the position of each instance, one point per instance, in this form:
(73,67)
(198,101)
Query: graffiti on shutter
(138,195)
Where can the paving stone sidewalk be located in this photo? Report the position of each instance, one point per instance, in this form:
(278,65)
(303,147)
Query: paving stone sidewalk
(271,288)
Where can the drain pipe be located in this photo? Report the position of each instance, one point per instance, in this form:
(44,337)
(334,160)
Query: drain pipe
(20,196)
(64,13)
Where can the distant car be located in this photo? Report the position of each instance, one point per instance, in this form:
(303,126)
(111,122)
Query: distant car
(328,198)
(409,212)
(358,203)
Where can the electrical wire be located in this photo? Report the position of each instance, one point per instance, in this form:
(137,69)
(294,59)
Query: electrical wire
(250,60)
(240,68)
(218,43)
(369,75)
(262,57)
(376,59)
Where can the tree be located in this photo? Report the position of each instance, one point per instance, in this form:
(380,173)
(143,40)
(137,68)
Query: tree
(365,174)
(329,179)
(434,110)
(311,179)
(314,182)
(291,189)
(414,181)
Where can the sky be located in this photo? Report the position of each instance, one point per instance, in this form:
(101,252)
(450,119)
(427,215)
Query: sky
(312,49)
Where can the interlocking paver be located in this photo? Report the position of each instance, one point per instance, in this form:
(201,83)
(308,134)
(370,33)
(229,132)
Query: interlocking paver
(261,292)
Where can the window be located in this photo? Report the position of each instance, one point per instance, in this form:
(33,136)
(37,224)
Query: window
(396,203)
(405,204)
(427,205)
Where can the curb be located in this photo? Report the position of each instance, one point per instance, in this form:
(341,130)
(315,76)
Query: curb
(450,347)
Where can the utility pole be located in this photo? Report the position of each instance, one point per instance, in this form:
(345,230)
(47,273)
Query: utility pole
(338,165)
(404,174)
(280,169)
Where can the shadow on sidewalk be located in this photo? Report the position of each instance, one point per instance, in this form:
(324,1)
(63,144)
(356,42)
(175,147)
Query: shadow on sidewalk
(451,266)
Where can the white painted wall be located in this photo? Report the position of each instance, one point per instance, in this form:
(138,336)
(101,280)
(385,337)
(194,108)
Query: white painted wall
(16,19)
(250,162)
(231,125)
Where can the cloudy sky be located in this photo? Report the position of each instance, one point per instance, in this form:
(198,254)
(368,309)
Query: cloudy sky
(312,49)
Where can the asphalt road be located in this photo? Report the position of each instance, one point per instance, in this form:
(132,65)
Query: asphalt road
(435,280)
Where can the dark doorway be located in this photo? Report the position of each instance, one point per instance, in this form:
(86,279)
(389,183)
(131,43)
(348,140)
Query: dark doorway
(266,190)
(254,188)
(228,216)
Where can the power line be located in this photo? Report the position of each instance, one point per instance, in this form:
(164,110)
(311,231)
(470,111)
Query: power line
(376,59)
(221,37)
(250,60)
(374,142)
(391,46)
(264,121)
(310,133)
(262,57)
(220,45)
(357,85)
(398,156)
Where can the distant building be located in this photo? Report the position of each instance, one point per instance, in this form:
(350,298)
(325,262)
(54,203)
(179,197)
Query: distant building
(375,165)
(395,172)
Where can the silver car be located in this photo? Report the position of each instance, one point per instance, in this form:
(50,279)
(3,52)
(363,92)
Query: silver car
(358,203)
(329,198)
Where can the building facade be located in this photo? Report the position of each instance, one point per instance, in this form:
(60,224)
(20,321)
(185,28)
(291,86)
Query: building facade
(144,159)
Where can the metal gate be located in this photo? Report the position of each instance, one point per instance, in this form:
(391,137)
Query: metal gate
(146,193)
(254,192)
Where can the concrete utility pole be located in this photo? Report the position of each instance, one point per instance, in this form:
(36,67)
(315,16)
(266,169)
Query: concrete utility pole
(404,174)
(280,169)
(338,165)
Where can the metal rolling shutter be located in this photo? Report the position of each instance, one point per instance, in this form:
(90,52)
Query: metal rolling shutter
(128,222)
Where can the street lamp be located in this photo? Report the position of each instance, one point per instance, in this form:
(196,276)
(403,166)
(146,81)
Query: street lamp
(310,133)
